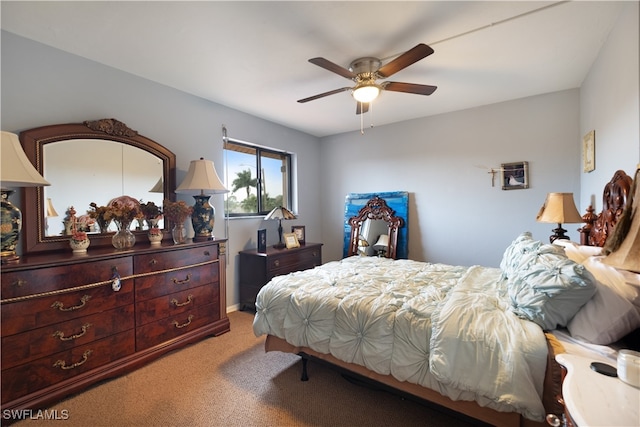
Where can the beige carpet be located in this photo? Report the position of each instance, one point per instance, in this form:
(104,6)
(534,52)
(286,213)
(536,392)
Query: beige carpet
(230,381)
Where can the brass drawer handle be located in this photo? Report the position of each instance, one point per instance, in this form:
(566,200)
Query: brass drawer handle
(314,254)
(153,261)
(182,304)
(276,263)
(63,365)
(60,306)
(179,326)
(182,282)
(60,334)
(19,283)
(207,253)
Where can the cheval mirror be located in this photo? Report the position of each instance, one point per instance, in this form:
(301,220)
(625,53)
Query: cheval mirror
(376,224)
(94,161)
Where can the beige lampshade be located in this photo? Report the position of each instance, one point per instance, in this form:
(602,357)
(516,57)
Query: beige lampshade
(201,178)
(627,255)
(280,212)
(383,242)
(559,208)
(17,170)
(51,211)
(159,187)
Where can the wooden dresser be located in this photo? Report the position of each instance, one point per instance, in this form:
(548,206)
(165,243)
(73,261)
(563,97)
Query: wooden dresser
(69,321)
(256,268)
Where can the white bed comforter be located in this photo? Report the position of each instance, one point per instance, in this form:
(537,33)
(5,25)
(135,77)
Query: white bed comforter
(448,328)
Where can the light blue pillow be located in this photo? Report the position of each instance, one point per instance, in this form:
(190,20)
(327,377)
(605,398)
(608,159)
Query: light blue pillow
(512,259)
(549,288)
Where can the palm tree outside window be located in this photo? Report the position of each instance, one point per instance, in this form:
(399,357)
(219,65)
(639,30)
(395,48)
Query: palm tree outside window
(259,179)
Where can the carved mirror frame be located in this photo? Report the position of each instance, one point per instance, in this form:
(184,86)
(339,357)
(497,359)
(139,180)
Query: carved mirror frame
(376,209)
(33,141)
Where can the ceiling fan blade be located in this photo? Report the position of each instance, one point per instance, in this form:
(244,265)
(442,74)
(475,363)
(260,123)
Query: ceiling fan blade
(335,68)
(411,56)
(409,88)
(362,107)
(322,95)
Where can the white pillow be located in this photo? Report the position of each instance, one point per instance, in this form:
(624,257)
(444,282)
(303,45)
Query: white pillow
(576,252)
(614,311)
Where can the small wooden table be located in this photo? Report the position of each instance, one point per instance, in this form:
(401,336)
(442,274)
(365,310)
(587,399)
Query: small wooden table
(256,269)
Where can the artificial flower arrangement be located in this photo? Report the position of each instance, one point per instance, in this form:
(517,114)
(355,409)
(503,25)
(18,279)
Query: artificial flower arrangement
(99,214)
(151,212)
(78,236)
(123,213)
(176,212)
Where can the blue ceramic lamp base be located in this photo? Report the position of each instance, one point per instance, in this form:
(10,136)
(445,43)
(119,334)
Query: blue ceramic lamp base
(202,218)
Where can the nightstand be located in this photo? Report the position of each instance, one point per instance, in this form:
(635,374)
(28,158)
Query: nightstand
(593,399)
(256,269)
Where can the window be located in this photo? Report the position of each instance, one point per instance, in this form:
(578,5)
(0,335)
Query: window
(253,193)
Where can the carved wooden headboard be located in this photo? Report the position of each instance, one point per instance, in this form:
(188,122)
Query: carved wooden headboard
(614,199)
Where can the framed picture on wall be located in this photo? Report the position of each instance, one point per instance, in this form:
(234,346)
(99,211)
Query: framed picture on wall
(298,230)
(589,151)
(515,176)
(290,240)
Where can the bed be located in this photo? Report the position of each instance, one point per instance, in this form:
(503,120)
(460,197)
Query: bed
(425,329)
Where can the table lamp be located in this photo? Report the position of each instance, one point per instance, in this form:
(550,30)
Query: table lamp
(15,171)
(559,208)
(201,182)
(382,245)
(280,213)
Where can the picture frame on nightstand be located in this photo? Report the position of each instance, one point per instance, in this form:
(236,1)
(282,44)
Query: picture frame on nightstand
(262,241)
(290,240)
(299,231)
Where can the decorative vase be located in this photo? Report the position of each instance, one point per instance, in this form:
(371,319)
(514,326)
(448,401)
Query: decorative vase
(79,246)
(103,224)
(155,236)
(124,238)
(179,234)
(11,226)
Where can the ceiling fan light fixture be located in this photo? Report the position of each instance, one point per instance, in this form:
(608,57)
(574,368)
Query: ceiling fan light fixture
(366,93)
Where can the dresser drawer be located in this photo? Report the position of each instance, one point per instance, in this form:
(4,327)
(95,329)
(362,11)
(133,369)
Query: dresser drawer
(160,261)
(173,326)
(40,373)
(299,260)
(31,345)
(173,304)
(38,312)
(29,282)
(165,283)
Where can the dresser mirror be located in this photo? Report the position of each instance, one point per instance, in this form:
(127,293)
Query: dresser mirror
(376,224)
(94,161)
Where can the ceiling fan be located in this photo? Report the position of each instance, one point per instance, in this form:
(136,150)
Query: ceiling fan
(365,71)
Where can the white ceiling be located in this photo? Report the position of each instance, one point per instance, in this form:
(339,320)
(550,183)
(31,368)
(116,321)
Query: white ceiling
(253,56)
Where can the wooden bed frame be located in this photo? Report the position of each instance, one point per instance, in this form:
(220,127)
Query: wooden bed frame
(594,233)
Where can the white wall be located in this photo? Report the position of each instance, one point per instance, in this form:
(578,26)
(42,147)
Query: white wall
(42,86)
(455,215)
(610,105)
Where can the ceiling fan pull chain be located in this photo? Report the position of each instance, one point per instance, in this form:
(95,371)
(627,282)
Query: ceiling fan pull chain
(361,120)
(371,112)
